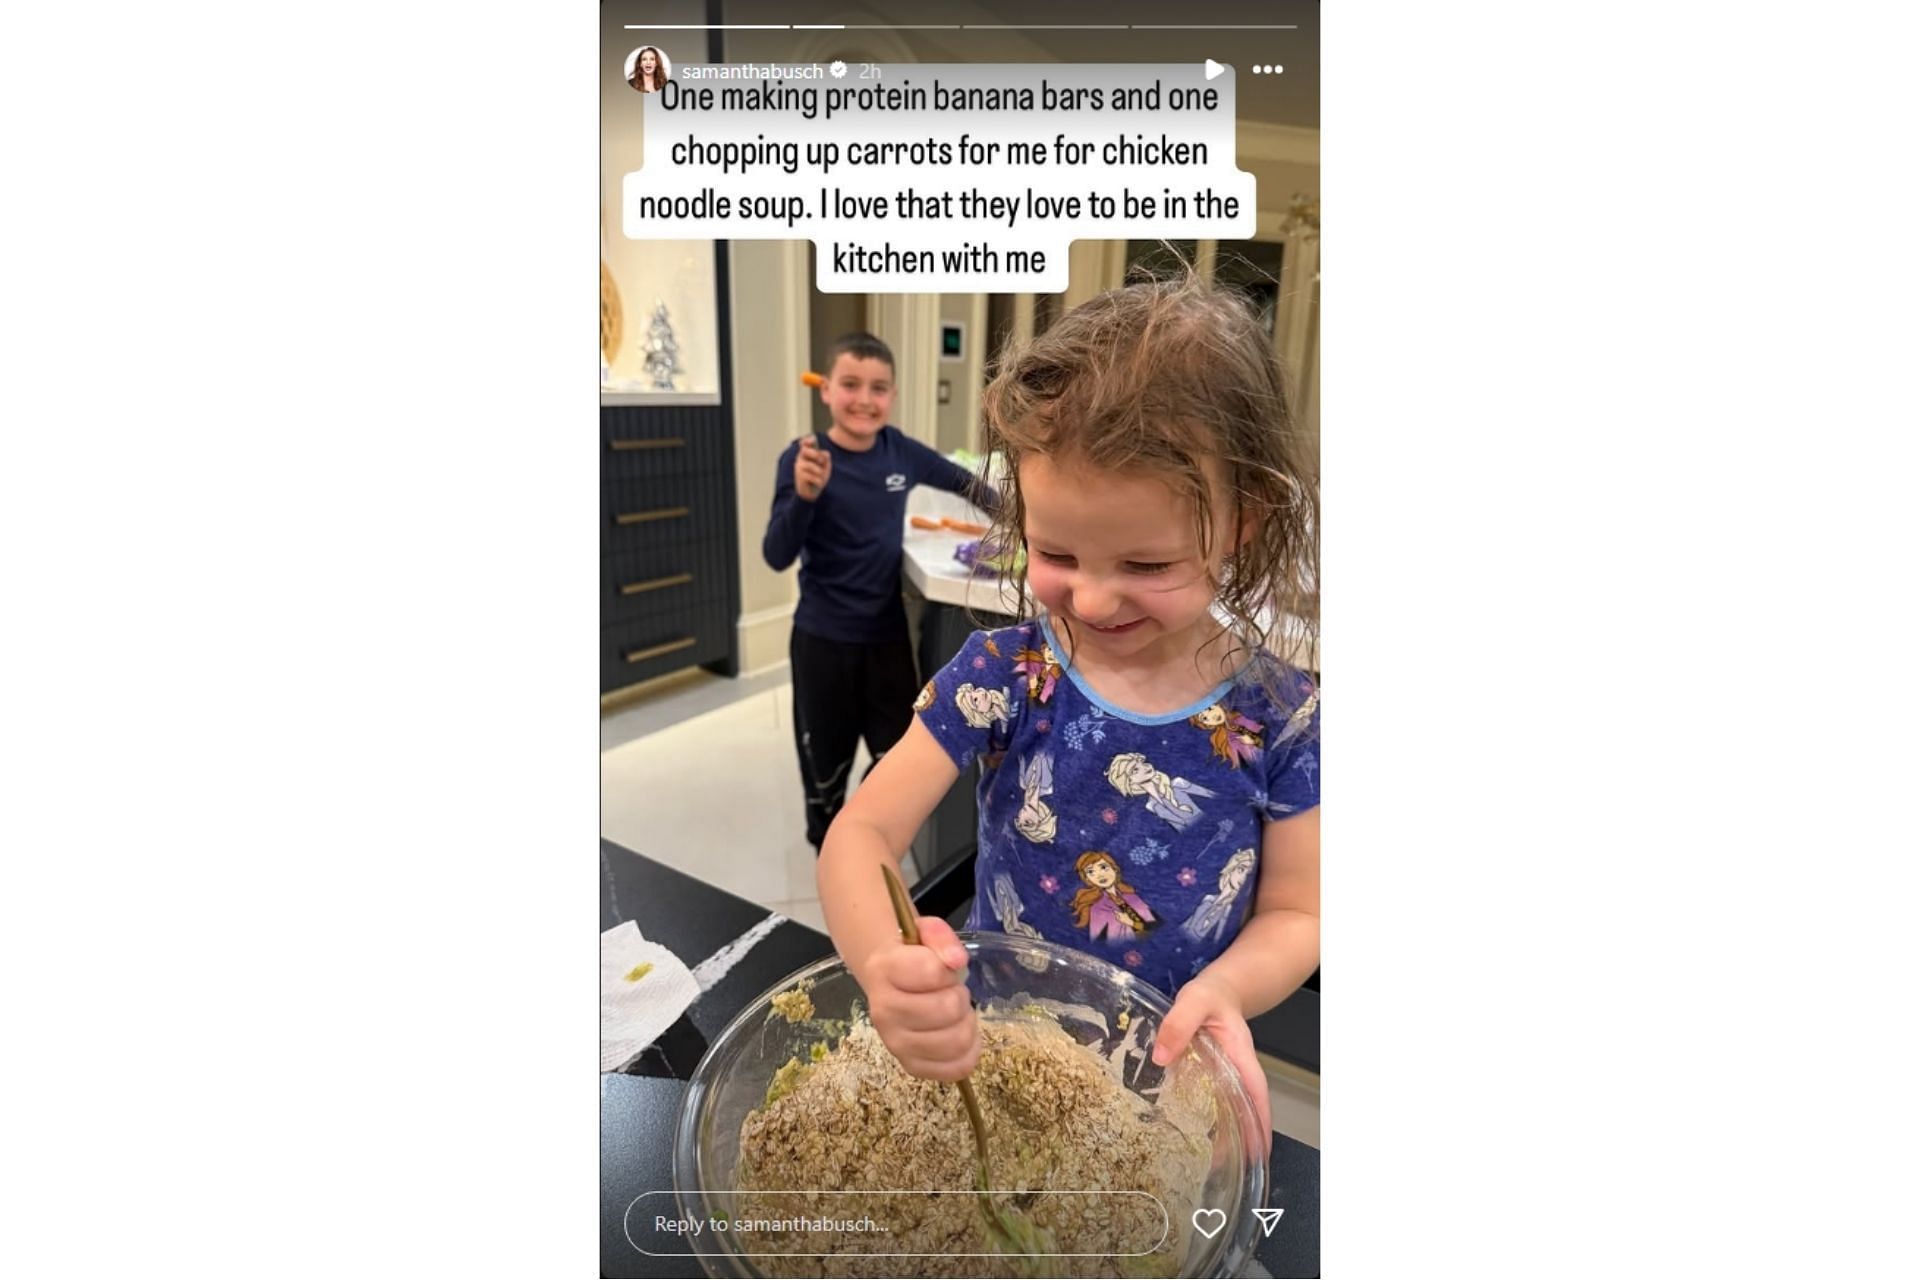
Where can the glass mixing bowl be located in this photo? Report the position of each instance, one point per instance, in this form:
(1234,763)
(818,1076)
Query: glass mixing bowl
(1098,1004)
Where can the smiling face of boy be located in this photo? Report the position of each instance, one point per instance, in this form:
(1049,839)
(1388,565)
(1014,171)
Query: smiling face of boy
(859,395)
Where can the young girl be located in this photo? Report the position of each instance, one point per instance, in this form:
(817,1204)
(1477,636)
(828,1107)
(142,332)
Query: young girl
(1149,781)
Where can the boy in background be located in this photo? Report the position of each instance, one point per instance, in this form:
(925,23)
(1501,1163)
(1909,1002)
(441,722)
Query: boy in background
(840,505)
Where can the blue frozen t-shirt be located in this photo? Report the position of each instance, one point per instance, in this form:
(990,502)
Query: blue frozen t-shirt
(1135,838)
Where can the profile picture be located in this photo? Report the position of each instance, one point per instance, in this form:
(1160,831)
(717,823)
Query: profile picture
(647,69)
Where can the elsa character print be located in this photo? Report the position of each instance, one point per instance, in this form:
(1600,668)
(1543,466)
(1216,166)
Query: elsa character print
(1108,905)
(1132,774)
(1211,917)
(1035,821)
(1005,900)
(1301,718)
(981,708)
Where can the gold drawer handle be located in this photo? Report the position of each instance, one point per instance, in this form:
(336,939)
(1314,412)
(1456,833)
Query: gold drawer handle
(644,517)
(654,584)
(622,446)
(641,655)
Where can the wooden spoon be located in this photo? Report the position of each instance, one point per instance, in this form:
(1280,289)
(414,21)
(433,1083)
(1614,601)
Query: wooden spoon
(1022,1235)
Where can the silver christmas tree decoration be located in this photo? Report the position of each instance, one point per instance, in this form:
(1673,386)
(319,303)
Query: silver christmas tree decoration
(663,351)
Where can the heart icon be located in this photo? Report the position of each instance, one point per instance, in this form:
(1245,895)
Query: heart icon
(1209,1222)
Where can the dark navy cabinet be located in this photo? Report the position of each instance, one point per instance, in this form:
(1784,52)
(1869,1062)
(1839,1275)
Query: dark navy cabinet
(669,542)
(669,549)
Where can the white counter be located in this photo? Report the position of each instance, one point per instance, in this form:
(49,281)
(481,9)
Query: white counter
(940,579)
(929,564)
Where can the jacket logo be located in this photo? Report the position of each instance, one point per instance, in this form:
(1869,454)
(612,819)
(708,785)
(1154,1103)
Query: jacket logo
(896,483)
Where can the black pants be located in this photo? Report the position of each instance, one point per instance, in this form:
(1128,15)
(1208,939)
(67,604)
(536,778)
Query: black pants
(841,694)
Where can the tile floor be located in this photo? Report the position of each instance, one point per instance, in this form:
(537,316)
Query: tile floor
(740,825)
(700,774)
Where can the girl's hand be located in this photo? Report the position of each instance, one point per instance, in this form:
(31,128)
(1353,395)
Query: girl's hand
(1209,1004)
(917,998)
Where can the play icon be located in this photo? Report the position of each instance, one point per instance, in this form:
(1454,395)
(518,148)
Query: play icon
(1267,1218)
(1213,68)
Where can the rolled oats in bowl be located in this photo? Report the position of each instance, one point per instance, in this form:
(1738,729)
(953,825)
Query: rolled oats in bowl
(800,1127)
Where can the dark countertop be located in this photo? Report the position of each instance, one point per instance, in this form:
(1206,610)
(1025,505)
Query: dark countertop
(639,1107)
(693,919)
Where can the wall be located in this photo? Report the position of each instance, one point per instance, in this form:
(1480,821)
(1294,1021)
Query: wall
(959,418)
(771,408)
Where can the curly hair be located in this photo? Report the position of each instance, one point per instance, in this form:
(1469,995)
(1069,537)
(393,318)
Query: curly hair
(1167,378)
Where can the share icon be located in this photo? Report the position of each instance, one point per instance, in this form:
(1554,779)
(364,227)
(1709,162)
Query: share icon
(1267,1218)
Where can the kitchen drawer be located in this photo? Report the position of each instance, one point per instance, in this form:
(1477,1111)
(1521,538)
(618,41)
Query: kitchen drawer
(686,452)
(669,542)
(661,542)
(672,638)
(629,495)
(707,425)
(656,512)
(647,581)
